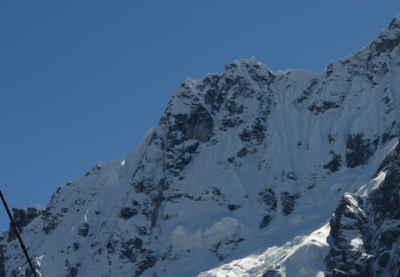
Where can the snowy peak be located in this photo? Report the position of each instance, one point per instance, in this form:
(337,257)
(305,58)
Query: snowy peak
(244,165)
(388,38)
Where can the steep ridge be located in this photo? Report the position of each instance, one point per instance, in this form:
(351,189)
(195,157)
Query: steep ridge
(241,163)
(366,226)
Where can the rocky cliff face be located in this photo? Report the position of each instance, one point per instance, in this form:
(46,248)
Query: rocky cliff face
(241,168)
(366,226)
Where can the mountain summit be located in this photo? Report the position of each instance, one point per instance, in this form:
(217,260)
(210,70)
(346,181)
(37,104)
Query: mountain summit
(240,178)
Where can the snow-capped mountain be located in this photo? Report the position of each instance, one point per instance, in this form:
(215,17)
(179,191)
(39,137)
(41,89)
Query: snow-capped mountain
(240,178)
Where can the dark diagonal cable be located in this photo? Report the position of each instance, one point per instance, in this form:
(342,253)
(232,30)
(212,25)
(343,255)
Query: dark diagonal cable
(16,231)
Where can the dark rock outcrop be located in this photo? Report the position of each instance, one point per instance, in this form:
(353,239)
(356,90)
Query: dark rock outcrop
(288,201)
(359,150)
(366,229)
(22,218)
(269,199)
(83,229)
(352,253)
(335,164)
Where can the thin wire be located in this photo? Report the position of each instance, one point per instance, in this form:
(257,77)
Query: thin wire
(16,231)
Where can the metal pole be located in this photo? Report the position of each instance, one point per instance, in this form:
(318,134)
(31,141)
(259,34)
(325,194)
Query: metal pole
(16,231)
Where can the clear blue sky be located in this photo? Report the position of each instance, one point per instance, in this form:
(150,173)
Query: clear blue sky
(83,81)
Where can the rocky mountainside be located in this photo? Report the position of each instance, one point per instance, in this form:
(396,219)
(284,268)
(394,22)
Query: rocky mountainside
(366,226)
(240,178)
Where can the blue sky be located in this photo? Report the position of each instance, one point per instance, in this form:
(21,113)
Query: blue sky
(83,81)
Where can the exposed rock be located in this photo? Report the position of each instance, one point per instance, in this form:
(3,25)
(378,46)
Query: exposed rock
(223,249)
(347,257)
(233,208)
(83,229)
(22,218)
(326,105)
(198,125)
(335,164)
(131,211)
(131,248)
(256,133)
(75,246)
(288,201)
(243,152)
(71,270)
(2,261)
(366,229)
(94,171)
(269,199)
(359,150)
(273,272)
(147,262)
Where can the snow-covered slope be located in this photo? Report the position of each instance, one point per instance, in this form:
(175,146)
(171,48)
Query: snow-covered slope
(240,177)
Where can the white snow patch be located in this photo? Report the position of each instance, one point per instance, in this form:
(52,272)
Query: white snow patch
(308,258)
(304,256)
(37,207)
(226,229)
(372,185)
